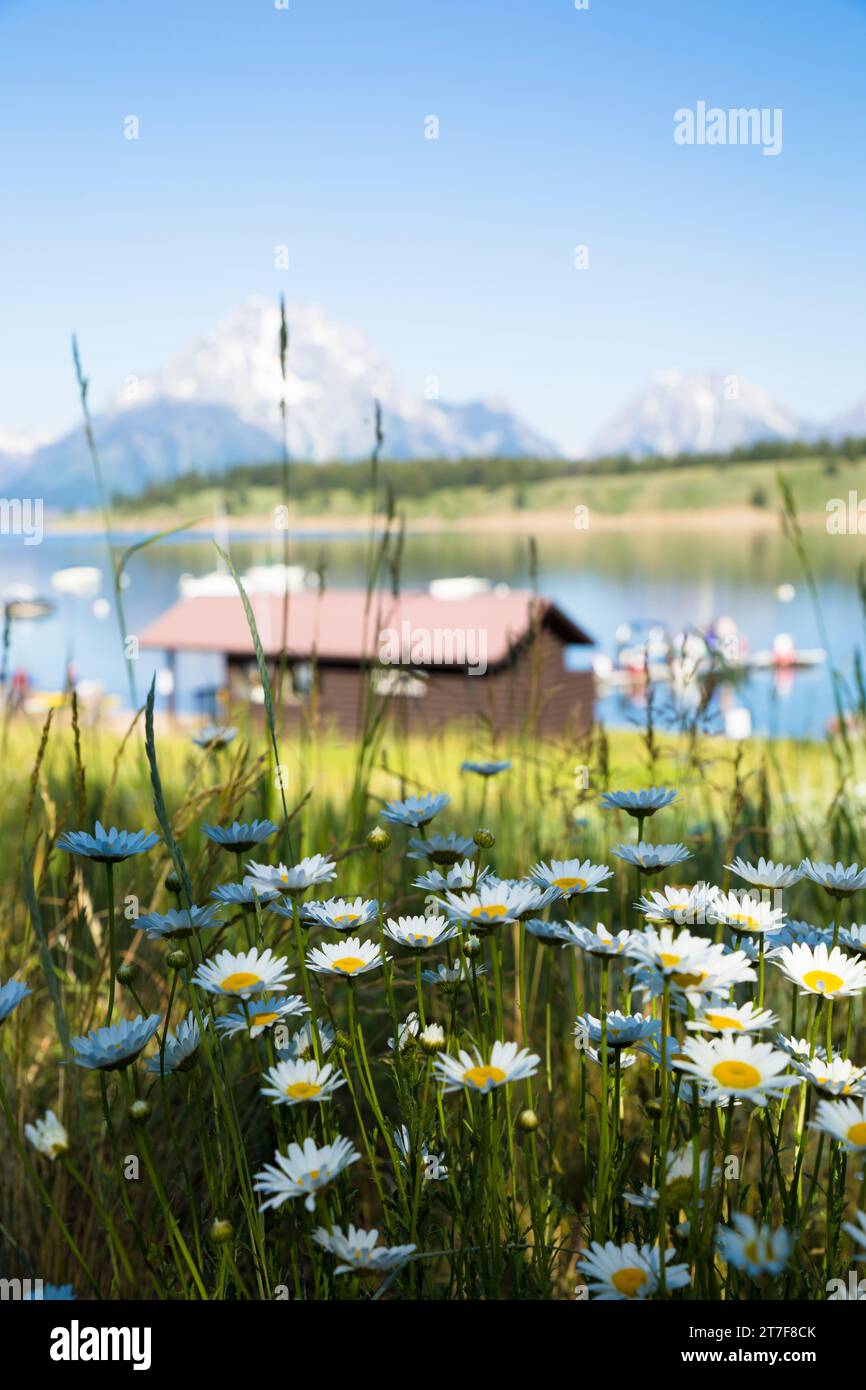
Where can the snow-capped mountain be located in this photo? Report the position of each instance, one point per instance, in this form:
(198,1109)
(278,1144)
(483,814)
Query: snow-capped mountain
(217,403)
(333,375)
(704,413)
(14,444)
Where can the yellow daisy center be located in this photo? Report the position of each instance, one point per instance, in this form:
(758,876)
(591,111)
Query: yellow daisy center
(565,883)
(489,910)
(744,920)
(347,917)
(687,981)
(302,1090)
(627,1281)
(823,981)
(668,959)
(241,979)
(739,1075)
(263,1020)
(722,1021)
(478,1076)
(857,1134)
(348,964)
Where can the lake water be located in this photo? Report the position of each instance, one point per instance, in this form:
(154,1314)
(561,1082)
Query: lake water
(602,580)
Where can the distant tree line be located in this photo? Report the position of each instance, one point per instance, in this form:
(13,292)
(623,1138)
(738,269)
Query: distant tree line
(417,478)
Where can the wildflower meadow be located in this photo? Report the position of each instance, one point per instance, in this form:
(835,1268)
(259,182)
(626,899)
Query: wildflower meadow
(467,1040)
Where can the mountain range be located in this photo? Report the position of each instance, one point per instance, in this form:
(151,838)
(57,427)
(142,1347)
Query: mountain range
(217,403)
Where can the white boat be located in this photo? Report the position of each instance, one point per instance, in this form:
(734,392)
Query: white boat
(258,579)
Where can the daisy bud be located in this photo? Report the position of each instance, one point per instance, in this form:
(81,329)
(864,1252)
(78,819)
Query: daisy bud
(178,960)
(125,973)
(484,839)
(432,1038)
(471,947)
(173,883)
(221,1232)
(528,1121)
(342,1042)
(140,1112)
(378,839)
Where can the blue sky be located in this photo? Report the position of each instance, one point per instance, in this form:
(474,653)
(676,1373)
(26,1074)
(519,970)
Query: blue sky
(306,127)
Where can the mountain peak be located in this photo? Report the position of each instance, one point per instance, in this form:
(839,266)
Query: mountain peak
(696,412)
(333,375)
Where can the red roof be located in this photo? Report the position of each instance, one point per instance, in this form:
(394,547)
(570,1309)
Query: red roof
(333,624)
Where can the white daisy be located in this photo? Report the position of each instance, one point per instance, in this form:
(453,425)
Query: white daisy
(294,1083)
(349,958)
(844,1120)
(628,1271)
(679,1181)
(458,878)
(448,978)
(818,970)
(831,1079)
(48,1136)
(725,1018)
(854,937)
(260,1014)
(302,1171)
(799,1048)
(685,906)
(242,973)
(651,859)
(765,874)
(551,933)
(700,978)
(492,904)
(670,953)
(838,879)
(639,804)
(341,914)
(571,877)
(737,1066)
(301,1045)
(420,933)
(597,940)
(432,1038)
(116,1046)
(507,1063)
(181,1048)
(406,1032)
(359,1252)
(623,1030)
(433,1164)
(264,878)
(756,1249)
(743,912)
(440,849)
